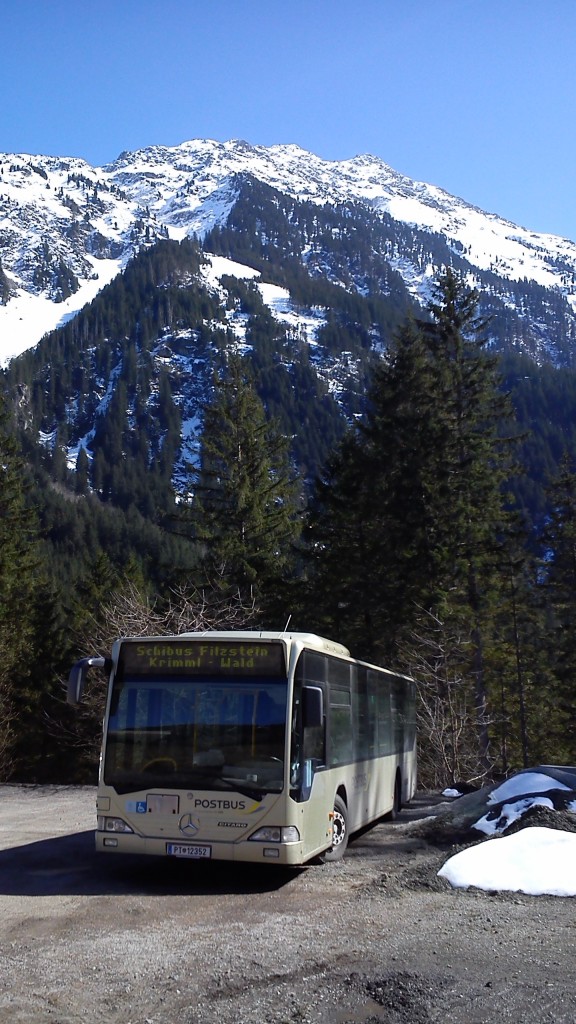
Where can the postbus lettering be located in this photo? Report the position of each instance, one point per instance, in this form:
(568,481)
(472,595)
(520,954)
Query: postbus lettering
(220,805)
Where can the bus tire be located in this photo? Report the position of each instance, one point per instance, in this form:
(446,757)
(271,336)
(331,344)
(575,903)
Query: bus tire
(339,831)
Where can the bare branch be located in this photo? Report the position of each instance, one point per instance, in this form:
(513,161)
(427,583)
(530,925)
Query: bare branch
(188,609)
(446,713)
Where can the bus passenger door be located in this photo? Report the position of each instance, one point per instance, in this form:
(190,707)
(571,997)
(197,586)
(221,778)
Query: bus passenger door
(308,757)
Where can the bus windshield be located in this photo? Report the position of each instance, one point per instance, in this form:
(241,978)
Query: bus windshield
(201,732)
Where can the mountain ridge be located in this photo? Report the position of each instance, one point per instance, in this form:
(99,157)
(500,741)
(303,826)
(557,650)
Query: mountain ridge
(112,403)
(67,228)
(156,267)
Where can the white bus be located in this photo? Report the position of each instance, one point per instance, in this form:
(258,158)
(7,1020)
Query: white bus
(247,746)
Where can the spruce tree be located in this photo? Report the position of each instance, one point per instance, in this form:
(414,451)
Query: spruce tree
(412,518)
(559,537)
(244,509)
(471,466)
(368,538)
(20,574)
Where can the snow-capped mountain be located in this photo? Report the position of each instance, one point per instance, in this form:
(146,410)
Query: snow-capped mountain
(67,229)
(156,266)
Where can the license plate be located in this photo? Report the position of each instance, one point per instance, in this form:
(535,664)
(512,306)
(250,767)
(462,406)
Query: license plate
(187,850)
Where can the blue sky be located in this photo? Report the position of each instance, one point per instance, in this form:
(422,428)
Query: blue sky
(476,96)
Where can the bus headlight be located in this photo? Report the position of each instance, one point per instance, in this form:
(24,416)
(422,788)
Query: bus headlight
(112,824)
(276,834)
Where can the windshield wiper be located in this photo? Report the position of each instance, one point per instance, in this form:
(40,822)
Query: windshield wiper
(138,785)
(197,776)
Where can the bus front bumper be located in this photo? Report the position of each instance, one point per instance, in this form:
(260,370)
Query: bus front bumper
(248,852)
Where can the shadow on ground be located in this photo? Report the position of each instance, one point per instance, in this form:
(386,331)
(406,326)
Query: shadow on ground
(69,865)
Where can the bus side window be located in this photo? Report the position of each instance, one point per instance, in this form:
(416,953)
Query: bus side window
(363,714)
(410,719)
(381,690)
(398,701)
(341,746)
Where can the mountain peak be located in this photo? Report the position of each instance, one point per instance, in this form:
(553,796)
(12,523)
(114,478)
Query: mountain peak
(68,228)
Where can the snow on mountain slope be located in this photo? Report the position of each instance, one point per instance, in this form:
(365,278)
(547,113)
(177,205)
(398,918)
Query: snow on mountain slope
(28,317)
(306,323)
(67,228)
(200,166)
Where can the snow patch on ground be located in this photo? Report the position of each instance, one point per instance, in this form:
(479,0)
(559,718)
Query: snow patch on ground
(537,861)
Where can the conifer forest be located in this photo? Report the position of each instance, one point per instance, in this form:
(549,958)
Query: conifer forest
(426,517)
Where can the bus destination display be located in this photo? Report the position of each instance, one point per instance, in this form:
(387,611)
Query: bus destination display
(202,657)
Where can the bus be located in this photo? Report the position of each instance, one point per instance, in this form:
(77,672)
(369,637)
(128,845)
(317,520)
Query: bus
(247,746)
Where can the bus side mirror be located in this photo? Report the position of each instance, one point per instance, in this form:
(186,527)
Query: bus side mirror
(77,677)
(312,706)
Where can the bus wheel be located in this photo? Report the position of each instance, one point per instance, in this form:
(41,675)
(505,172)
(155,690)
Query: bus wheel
(339,831)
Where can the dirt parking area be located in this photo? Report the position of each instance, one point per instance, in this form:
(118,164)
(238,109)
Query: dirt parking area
(374,939)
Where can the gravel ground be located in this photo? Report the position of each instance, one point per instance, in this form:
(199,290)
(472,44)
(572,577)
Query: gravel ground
(375,939)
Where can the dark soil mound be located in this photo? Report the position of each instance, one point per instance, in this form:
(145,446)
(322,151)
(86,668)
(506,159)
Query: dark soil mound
(545,817)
